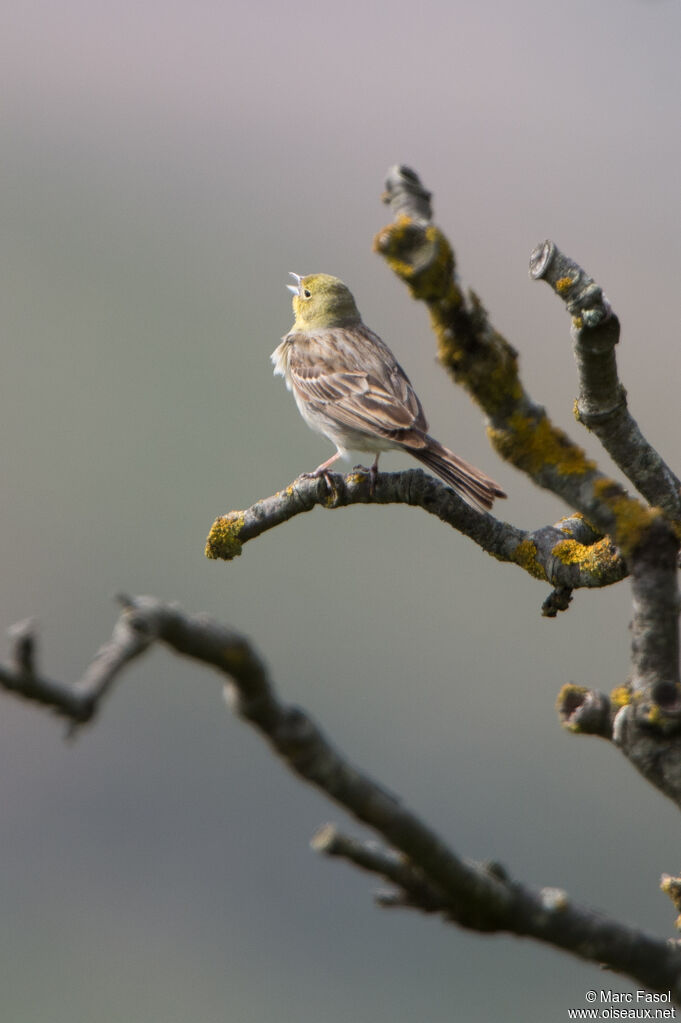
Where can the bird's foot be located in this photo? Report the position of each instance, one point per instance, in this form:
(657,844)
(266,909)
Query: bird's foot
(323,473)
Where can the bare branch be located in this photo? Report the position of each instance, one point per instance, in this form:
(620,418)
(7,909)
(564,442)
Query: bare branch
(602,402)
(426,871)
(23,647)
(557,600)
(654,626)
(406,196)
(414,889)
(77,702)
(568,555)
(143,621)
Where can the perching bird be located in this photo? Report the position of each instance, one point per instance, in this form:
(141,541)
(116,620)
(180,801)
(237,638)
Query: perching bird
(349,386)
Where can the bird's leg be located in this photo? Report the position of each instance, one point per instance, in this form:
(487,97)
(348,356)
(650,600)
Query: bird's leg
(321,470)
(373,473)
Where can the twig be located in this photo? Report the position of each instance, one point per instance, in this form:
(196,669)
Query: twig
(413,889)
(78,702)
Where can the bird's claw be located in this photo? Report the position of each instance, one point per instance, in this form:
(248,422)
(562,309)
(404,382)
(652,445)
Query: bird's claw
(326,476)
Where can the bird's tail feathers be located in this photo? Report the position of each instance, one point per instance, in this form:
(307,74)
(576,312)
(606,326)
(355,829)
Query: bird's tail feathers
(470,483)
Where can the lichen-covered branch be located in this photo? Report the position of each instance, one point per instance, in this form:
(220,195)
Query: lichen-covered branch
(647,724)
(602,402)
(643,717)
(482,361)
(647,733)
(425,871)
(648,727)
(568,555)
(486,365)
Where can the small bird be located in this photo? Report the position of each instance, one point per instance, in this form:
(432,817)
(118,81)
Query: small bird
(348,385)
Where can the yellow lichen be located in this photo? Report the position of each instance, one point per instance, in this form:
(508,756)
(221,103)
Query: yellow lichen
(632,518)
(489,373)
(569,699)
(657,717)
(565,524)
(533,444)
(568,693)
(621,696)
(569,552)
(422,257)
(525,555)
(477,356)
(564,284)
(598,559)
(671,886)
(223,540)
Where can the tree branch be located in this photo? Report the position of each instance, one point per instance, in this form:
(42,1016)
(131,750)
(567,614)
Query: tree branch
(412,887)
(79,702)
(482,361)
(602,402)
(646,725)
(647,733)
(426,872)
(478,357)
(645,719)
(568,555)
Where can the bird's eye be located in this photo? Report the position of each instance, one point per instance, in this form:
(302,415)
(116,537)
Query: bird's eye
(306,293)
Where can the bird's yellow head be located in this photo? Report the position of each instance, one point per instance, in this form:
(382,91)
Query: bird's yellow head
(320,300)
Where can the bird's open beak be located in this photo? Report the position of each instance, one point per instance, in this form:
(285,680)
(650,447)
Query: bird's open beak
(294,288)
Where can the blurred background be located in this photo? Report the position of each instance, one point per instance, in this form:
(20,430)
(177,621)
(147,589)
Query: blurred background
(164,167)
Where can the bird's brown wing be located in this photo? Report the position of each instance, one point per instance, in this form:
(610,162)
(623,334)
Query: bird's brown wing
(350,375)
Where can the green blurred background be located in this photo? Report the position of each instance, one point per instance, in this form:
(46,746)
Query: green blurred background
(164,167)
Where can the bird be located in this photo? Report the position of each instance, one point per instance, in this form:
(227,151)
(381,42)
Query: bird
(349,387)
